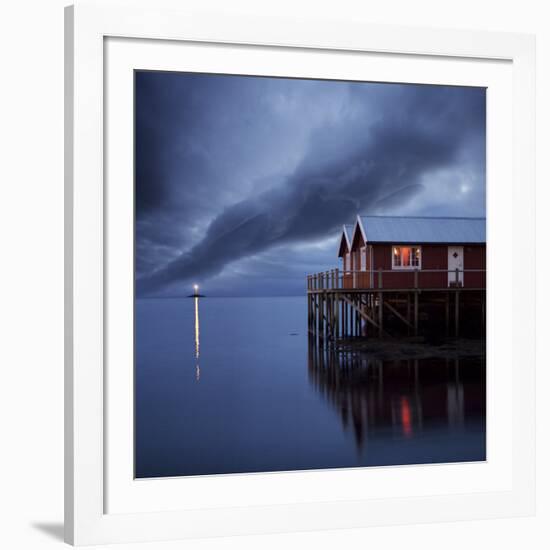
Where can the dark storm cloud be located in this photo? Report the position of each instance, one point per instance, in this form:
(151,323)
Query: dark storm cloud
(234,167)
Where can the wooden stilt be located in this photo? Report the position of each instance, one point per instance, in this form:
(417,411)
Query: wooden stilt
(352,313)
(409,313)
(357,317)
(344,319)
(336,305)
(335,313)
(325,317)
(309,316)
(323,314)
(483,315)
(447,299)
(351,319)
(380,314)
(328,316)
(416,313)
(315,325)
(457,313)
(337,317)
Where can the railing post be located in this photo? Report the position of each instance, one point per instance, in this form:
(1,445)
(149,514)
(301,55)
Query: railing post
(337,276)
(456,277)
(379,278)
(416,278)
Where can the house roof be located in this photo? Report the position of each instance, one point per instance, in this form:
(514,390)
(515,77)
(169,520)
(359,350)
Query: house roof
(347,234)
(417,229)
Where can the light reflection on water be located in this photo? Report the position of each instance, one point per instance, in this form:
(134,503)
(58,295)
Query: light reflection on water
(197,339)
(232,385)
(372,396)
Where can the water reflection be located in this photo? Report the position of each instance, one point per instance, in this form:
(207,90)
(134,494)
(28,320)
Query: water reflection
(401,398)
(197,340)
(257,406)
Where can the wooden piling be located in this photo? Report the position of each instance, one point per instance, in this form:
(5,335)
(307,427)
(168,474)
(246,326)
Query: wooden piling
(416,313)
(336,306)
(447,313)
(380,314)
(483,314)
(336,313)
(357,319)
(409,312)
(457,313)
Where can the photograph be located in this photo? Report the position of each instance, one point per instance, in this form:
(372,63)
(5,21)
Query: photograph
(309,274)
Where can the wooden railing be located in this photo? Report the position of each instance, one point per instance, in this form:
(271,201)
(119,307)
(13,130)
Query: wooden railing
(396,278)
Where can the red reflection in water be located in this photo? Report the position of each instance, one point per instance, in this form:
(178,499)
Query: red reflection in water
(406,417)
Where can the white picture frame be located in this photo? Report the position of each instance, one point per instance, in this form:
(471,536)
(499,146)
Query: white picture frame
(97,469)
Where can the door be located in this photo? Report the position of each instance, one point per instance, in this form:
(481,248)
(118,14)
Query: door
(456,261)
(363,276)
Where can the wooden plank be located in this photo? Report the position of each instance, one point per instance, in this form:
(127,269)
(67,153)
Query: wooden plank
(397,314)
(398,290)
(361,313)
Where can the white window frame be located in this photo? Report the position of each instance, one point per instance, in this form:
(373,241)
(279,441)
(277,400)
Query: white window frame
(406,267)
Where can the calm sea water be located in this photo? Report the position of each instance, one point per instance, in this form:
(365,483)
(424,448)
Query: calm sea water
(230,385)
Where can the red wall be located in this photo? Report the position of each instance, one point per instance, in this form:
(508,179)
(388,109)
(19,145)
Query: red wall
(433,257)
(474,258)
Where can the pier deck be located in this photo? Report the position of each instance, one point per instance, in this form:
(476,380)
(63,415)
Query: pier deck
(364,304)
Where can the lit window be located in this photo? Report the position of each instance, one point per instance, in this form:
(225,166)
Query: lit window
(406,257)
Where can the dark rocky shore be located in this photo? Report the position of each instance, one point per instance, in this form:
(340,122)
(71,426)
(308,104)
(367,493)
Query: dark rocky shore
(414,348)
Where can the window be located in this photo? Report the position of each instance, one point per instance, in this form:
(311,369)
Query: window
(406,257)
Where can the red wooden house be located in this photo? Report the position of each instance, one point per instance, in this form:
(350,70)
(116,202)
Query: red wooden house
(403,252)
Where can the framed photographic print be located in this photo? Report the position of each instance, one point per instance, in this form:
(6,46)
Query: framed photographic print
(300,272)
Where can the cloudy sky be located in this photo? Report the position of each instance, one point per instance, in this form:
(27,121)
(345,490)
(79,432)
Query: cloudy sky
(243,183)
